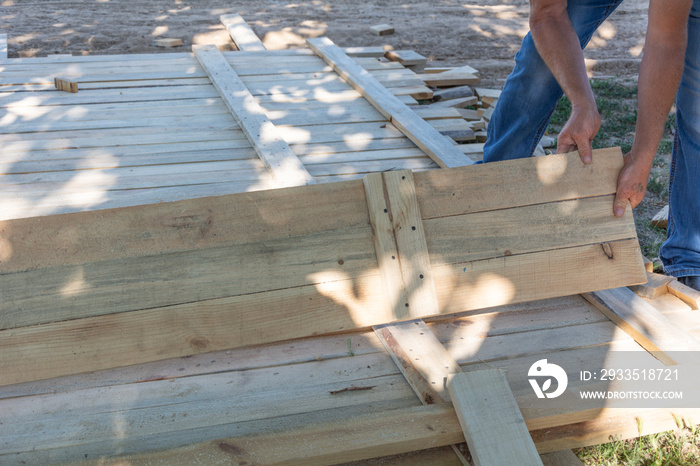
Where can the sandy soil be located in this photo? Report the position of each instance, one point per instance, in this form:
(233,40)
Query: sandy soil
(484,34)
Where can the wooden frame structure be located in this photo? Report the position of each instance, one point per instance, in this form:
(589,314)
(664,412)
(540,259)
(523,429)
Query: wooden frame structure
(279,325)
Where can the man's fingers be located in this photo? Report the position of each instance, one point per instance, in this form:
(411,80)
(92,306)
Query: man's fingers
(619,206)
(585,151)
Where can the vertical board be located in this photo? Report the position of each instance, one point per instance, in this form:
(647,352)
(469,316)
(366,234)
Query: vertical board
(277,156)
(491,420)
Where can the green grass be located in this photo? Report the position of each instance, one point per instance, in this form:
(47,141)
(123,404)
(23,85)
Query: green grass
(680,447)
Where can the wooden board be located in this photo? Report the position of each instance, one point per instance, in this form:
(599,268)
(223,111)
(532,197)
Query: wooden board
(687,294)
(649,327)
(400,244)
(284,389)
(656,285)
(491,421)
(272,149)
(241,33)
(415,128)
(127,286)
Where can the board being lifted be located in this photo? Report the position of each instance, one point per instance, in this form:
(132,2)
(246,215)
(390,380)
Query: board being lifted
(93,290)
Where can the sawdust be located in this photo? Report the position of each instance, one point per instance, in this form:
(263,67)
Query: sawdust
(484,34)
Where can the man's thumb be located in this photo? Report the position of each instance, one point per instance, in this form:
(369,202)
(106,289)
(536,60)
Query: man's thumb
(619,206)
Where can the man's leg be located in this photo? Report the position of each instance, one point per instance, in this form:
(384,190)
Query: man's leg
(531,92)
(681,251)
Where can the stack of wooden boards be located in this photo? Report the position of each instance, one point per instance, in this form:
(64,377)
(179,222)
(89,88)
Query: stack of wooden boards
(153,128)
(96,290)
(162,326)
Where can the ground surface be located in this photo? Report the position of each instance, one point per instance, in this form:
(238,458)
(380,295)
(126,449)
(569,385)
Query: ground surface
(484,34)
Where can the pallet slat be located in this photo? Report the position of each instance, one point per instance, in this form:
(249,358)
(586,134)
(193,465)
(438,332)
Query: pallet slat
(415,128)
(272,149)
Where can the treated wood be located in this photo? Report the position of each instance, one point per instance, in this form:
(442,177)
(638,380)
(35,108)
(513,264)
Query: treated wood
(382,29)
(182,269)
(491,420)
(241,33)
(351,439)
(656,285)
(423,360)
(449,79)
(420,356)
(406,57)
(167,42)
(685,293)
(272,149)
(414,127)
(649,327)
(400,244)
(66,85)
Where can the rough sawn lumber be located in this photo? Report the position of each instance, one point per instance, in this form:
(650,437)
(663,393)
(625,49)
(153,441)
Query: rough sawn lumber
(96,290)
(272,149)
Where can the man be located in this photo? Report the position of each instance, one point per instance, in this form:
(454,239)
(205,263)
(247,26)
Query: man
(551,62)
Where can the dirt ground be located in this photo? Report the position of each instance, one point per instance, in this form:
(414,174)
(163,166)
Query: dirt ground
(484,34)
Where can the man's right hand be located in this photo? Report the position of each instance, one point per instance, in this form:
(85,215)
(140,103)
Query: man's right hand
(579,131)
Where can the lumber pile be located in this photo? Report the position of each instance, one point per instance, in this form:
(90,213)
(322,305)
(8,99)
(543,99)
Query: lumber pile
(260,327)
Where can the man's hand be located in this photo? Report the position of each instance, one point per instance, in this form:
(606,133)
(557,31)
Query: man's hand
(560,48)
(631,184)
(579,131)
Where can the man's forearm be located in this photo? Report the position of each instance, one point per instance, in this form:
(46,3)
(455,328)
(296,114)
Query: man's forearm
(559,46)
(659,75)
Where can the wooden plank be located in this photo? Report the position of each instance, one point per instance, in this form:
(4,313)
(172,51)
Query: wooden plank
(660,220)
(400,244)
(491,420)
(382,29)
(401,116)
(685,293)
(350,439)
(167,42)
(455,103)
(530,181)
(374,52)
(449,79)
(272,149)
(241,33)
(656,285)
(420,356)
(649,327)
(66,85)
(423,361)
(406,57)
(453,93)
(3,46)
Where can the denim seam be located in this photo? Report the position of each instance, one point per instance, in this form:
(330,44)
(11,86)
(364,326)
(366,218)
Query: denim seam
(681,272)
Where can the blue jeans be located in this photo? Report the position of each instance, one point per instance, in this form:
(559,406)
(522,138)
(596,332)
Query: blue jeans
(680,252)
(531,93)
